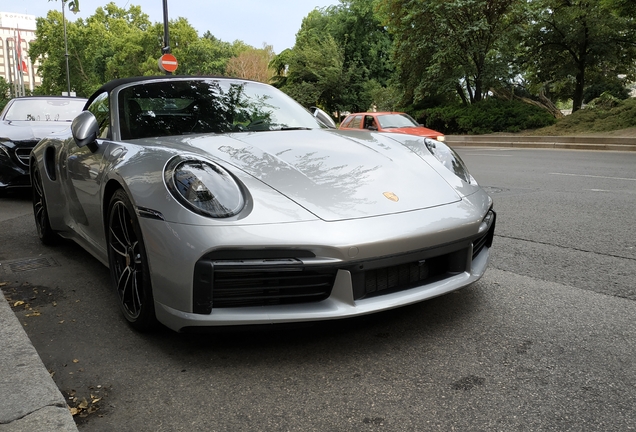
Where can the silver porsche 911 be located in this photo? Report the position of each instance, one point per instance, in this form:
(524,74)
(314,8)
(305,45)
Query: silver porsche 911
(218,201)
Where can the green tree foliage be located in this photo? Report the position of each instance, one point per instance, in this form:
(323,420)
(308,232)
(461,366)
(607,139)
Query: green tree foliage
(459,46)
(5,92)
(208,55)
(341,58)
(117,43)
(571,44)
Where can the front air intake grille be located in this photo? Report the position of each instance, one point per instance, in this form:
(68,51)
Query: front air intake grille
(258,283)
(402,276)
(263,288)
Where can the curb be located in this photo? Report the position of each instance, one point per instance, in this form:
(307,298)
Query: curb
(549,142)
(29,398)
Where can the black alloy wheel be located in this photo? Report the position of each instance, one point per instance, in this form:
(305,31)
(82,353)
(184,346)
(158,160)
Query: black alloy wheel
(129,264)
(45,232)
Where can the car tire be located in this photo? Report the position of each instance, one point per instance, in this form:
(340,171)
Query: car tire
(128,264)
(45,232)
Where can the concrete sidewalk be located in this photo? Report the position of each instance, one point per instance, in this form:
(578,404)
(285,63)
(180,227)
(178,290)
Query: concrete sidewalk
(554,142)
(29,399)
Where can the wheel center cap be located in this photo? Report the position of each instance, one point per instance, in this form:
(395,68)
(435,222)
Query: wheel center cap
(129,254)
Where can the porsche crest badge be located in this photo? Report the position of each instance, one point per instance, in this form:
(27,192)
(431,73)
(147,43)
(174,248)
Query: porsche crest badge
(390,195)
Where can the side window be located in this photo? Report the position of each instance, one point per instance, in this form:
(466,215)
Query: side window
(346,122)
(101,110)
(356,122)
(369,122)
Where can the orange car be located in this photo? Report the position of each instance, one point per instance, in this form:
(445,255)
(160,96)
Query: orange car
(395,122)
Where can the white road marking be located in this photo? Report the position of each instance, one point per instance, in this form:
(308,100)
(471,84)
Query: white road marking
(593,176)
(489,155)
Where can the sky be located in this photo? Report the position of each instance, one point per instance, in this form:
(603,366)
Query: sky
(255,22)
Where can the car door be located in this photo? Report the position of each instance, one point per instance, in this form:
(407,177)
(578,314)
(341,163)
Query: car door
(84,176)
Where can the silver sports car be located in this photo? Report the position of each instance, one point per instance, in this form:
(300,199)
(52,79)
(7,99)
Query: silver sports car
(218,201)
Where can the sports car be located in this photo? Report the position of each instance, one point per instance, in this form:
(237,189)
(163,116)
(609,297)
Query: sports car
(218,201)
(395,122)
(23,122)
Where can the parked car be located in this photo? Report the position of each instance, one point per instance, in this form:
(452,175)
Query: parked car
(394,122)
(218,201)
(23,122)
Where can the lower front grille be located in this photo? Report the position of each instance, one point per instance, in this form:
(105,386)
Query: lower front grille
(263,288)
(393,277)
(223,284)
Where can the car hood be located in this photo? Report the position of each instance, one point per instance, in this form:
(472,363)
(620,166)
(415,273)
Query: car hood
(419,131)
(334,174)
(30,130)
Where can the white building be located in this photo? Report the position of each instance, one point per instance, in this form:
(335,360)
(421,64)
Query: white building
(19,72)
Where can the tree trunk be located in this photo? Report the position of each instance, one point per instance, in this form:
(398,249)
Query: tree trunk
(469,90)
(478,87)
(460,92)
(577,100)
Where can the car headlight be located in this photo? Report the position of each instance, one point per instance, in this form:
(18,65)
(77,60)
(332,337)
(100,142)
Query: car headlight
(449,158)
(4,152)
(203,187)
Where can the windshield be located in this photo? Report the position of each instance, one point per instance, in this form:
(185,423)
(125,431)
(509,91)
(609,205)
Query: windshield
(178,107)
(63,110)
(389,121)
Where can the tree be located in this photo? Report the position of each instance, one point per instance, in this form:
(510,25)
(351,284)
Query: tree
(574,43)
(208,55)
(341,54)
(112,43)
(5,92)
(252,64)
(460,46)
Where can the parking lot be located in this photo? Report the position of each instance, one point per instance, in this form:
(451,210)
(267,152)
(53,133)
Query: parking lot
(545,341)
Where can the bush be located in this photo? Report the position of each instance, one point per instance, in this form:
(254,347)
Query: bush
(488,116)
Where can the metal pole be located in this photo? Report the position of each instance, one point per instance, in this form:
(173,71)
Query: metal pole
(166,32)
(68,76)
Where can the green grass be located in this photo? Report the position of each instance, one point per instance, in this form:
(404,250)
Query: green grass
(617,121)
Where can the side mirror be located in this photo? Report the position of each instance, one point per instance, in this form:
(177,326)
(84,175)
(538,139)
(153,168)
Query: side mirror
(84,129)
(323,117)
(373,128)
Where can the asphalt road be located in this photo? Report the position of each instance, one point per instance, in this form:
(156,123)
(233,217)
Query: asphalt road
(546,341)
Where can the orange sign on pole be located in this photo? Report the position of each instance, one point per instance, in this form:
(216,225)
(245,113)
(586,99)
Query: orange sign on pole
(168,63)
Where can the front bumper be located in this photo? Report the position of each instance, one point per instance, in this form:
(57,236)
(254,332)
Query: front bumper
(14,164)
(357,249)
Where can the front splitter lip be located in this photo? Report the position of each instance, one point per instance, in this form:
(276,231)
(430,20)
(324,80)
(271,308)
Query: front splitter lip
(339,305)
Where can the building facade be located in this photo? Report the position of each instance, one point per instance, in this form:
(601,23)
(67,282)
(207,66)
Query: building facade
(17,31)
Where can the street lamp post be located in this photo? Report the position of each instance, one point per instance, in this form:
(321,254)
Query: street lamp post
(68,76)
(166,32)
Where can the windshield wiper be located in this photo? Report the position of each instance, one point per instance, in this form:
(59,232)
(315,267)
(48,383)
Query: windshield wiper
(286,128)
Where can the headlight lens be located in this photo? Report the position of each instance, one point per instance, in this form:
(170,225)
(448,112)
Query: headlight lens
(449,158)
(4,152)
(203,187)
